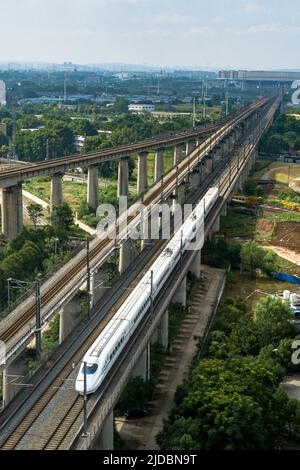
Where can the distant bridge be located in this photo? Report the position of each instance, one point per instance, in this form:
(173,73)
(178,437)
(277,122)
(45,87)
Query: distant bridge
(259,75)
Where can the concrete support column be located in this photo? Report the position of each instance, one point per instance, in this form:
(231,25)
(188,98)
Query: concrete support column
(161,334)
(69,316)
(159,165)
(195,267)
(105,441)
(180,296)
(224,210)
(218,153)
(142,173)
(142,367)
(93,187)
(123,176)
(188,148)
(99,283)
(179,195)
(207,169)
(195,177)
(13,378)
(125,255)
(12,211)
(56,197)
(216,226)
(177,154)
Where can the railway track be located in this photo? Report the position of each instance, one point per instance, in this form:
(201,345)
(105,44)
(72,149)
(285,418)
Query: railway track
(72,413)
(153,194)
(130,148)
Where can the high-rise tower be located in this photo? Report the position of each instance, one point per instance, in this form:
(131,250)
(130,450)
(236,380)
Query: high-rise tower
(2,93)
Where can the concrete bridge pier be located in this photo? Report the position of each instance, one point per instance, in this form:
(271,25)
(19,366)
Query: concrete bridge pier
(195,267)
(142,367)
(216,227)
(180,296)
(14,376)
(123,176)
(207,166)
(159,165)
(195,177)
(179,195)
(12,211)
(142,181)
(177,154)
(161,334)
(188,148)
(125,249)
(69,316)
(56,197)
(224,210)
(93,187)
(99,285)
(218,152)
(105,439)
(125,255)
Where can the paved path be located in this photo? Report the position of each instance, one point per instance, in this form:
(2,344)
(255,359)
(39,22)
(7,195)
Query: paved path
(285,253)
(35,199)
(141,434)
(45,205)
(291,386)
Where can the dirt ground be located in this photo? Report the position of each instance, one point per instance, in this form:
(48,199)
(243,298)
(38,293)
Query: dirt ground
(288,236)
(264,226)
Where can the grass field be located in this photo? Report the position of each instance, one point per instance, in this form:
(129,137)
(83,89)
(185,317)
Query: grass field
(242,285)
(279,172)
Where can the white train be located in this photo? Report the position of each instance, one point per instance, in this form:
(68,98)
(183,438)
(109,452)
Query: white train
(110,343)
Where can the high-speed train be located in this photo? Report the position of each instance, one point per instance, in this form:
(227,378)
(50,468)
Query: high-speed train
(103,353)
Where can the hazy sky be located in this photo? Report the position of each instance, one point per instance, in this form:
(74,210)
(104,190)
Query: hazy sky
(262,34)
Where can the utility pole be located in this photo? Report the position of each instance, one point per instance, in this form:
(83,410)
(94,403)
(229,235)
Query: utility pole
(88,277)
(47,149)
(65,90)
(151,291)
(203,100)
(38,338)
(194,112)
(84,401)
(227,98)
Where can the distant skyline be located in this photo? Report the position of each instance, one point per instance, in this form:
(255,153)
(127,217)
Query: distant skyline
(230,34)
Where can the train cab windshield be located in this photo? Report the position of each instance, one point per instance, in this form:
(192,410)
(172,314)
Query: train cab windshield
(90,369)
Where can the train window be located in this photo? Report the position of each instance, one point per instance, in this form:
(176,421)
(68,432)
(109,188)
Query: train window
(90,369)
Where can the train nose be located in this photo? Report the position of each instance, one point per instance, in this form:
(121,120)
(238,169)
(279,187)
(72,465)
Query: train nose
(79,386)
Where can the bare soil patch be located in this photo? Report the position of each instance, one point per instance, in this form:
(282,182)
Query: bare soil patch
(288,235)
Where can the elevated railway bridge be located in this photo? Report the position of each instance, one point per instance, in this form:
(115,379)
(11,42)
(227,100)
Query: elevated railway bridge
(223,159)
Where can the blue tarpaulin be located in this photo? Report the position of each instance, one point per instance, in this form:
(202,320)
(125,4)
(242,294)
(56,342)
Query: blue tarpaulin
(285,277)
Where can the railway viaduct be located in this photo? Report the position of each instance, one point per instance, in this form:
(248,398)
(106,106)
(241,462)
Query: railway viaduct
(223,159)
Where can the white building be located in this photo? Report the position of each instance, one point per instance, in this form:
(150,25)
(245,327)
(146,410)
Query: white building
(2,93)
(79,142)
(141,108)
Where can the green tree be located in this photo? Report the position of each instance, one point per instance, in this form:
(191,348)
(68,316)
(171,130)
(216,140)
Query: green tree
(62,216)
(35,211)
(252,257)
(121,105)
(272,318)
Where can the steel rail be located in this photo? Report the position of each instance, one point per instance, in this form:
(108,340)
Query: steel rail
(75,409)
